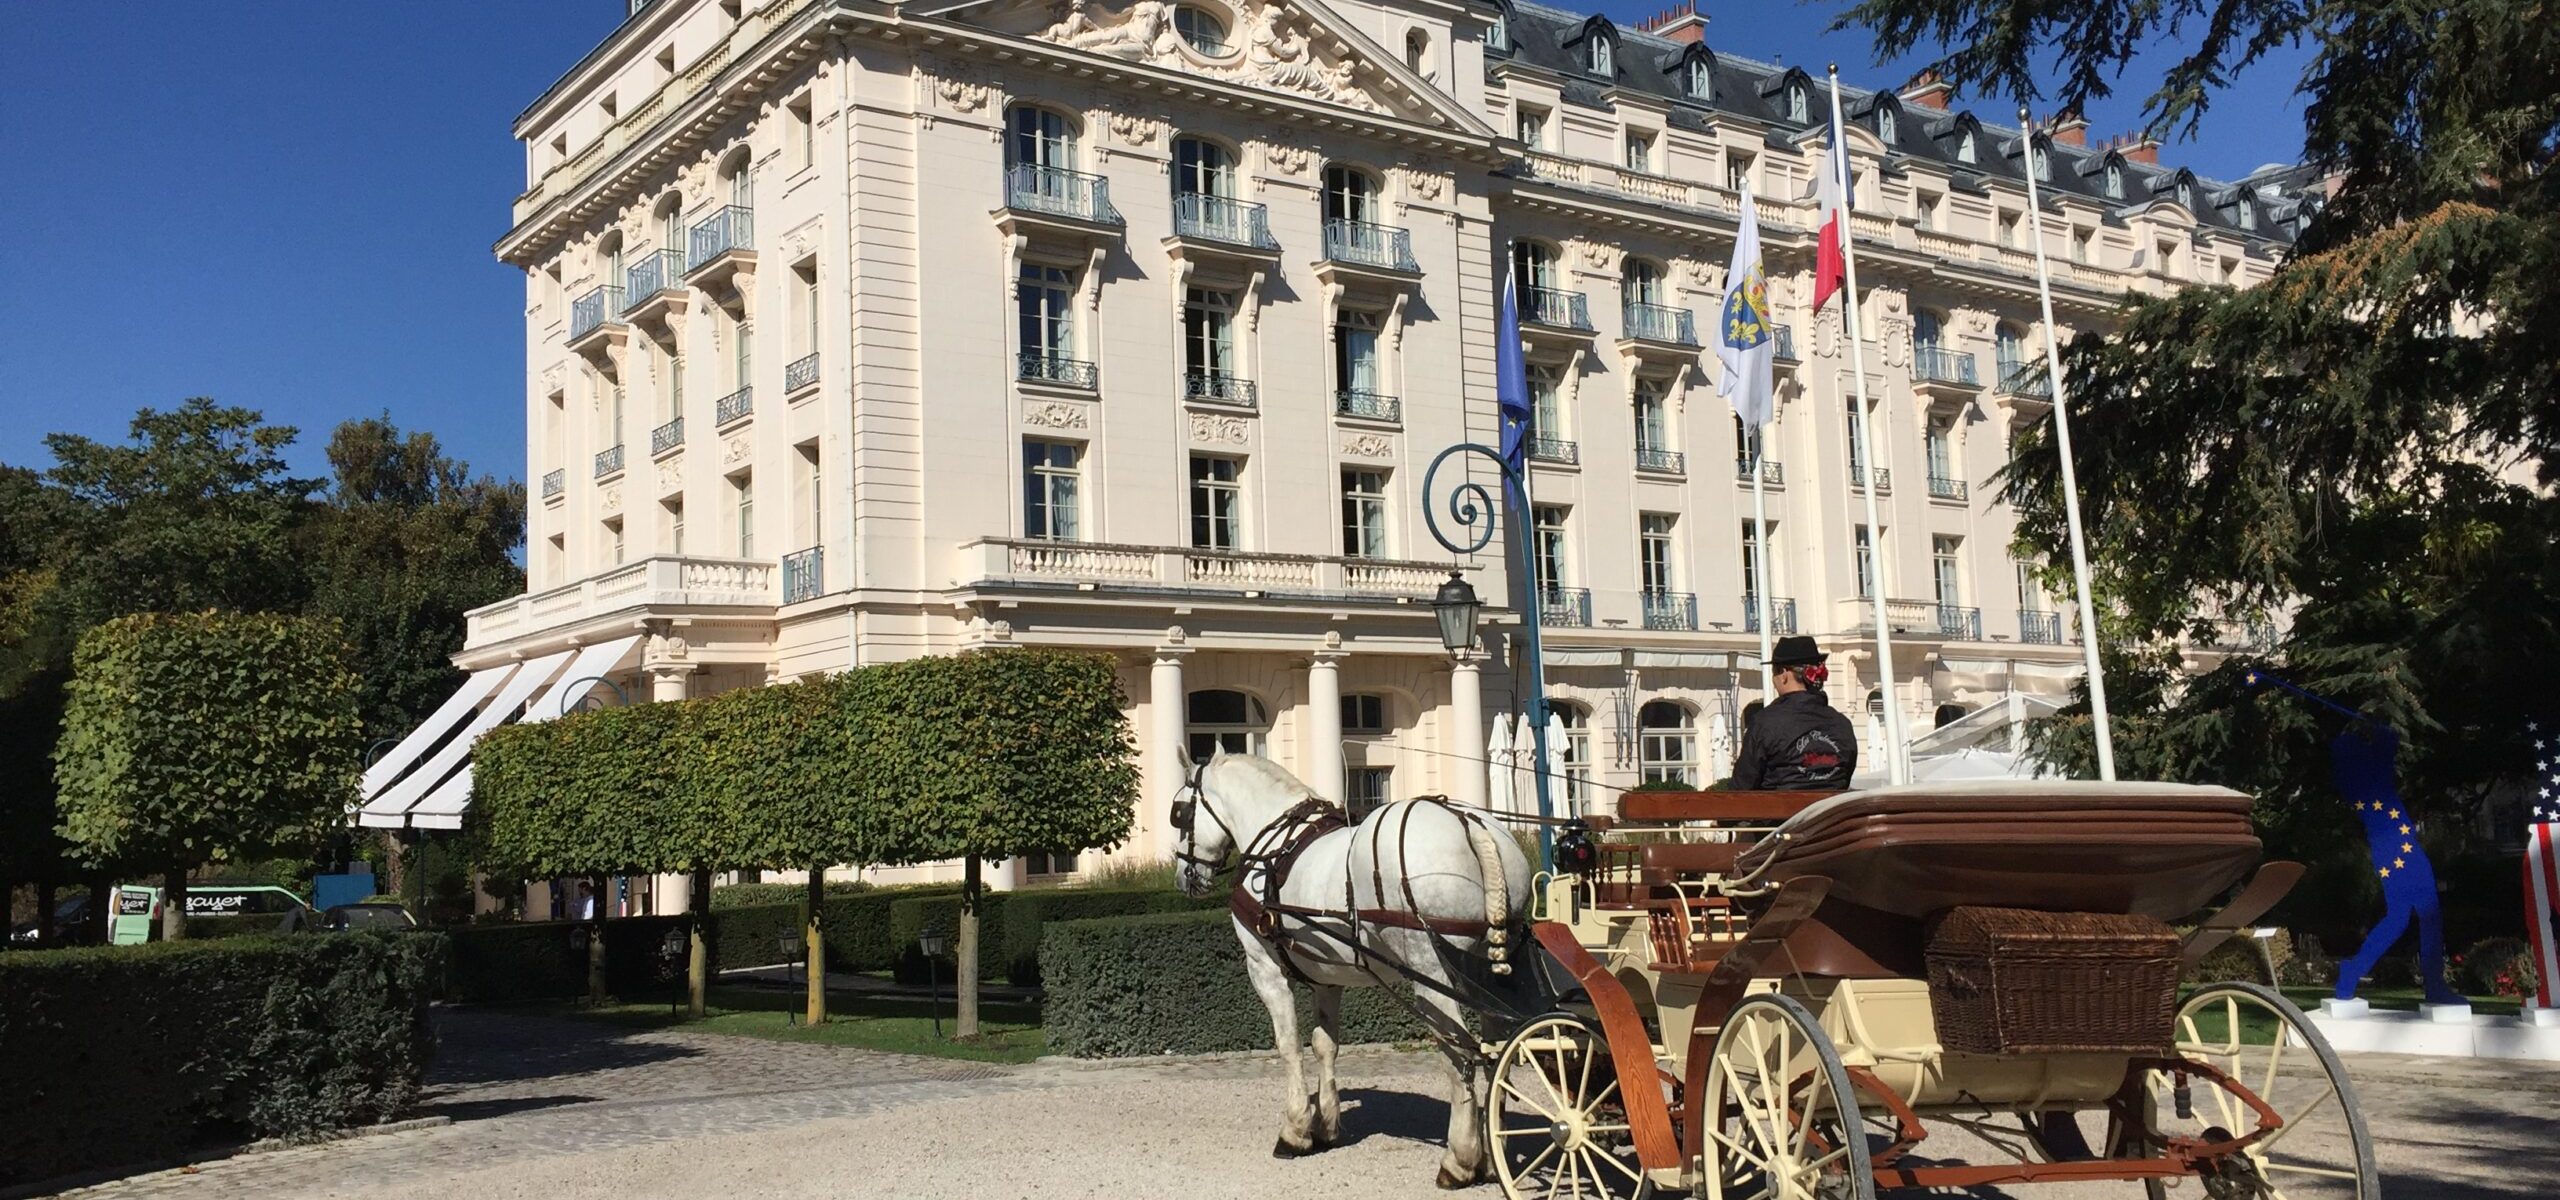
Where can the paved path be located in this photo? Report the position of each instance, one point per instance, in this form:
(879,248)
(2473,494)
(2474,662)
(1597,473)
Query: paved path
(551,1109)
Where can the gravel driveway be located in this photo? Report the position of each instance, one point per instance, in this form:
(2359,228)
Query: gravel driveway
(546,1109)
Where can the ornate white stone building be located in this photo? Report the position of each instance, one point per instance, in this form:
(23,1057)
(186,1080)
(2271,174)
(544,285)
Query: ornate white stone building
(856,331)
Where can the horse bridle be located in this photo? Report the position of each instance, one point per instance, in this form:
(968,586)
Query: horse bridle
(1186,809)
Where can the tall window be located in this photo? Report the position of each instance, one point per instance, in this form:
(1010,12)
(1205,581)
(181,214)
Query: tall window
(1417,52)
(742,502)
(1737,172)
(1667,736)
(1643,282)
(1355,351)
(1208,337)
(1799,107)
(1203,168)
(1350,194)
(1532,126)
(2030,592)
(1964,147)
(1040,138)
(1548,542)
(1217,502)
(1941,451)
(1223,720)
(1866,563)
(1751,556)
(1052,506)
(2008,346)
(1927,330)
(1697,82)
(1546,403)
(743,366)
(808,281)
(742,182)
(1364,513)
(809,506)
(1599,56)
(1653,534)
(1045,300)
(1533,266)
(1639,152)
(1499,36)
(1857,446)
(804,133)
(674,392)
(2186,195)
(613,541)
(1888,124)
(671,517)
(2115,181)
(1574,757)
(1653,421)
(1943,565)
(2042,160)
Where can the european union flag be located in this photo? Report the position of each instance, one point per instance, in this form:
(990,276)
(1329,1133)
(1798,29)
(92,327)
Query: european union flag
(1511,383)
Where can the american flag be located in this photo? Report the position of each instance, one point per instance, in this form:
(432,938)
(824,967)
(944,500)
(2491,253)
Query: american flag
(2541,862)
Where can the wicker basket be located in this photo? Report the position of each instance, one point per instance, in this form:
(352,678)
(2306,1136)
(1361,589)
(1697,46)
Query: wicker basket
(2016,981)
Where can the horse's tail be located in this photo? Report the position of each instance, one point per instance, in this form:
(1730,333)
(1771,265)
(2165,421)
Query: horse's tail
(1497,893)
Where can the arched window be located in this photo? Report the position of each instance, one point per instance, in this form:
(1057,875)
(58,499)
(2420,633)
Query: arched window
(1573,758)
(1875,702)
(1350,194)
(1964,146)
(1799,103)
(2042,160)
(1203,168)
(1600,55)
(1643,282)
(1223,720)
(1201,30)
(1949,714)
(1533,267)
(1697,81)
(2186,195)
(2248,215)
(1888,124)
(1417,51)
(738,175)
(1667,743)
(1040,138)
(671,223)
(609,258)
(2115,181)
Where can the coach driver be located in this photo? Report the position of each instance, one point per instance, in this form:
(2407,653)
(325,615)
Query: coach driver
(1799,742)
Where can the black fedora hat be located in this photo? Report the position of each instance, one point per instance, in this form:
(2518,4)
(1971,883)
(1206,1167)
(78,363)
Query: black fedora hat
(1796,651)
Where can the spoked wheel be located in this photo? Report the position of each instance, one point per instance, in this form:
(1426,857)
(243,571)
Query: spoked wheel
(1782,1121)
(1553,1122)
(2258,1037)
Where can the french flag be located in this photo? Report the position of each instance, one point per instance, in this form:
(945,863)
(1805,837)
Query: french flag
(1830,264)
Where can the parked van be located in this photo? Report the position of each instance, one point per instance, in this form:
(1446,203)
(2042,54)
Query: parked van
(135,908)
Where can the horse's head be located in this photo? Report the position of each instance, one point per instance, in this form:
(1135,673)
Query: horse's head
(1202,839)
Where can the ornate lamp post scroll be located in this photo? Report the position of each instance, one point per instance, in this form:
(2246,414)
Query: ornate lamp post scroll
(1471,509)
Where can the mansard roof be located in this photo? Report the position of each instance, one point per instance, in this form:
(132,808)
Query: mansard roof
(1755,92)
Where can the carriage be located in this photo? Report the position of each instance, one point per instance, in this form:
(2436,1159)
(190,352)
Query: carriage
(1805,995)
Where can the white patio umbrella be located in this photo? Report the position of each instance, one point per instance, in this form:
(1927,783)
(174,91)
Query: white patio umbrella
(1498,766)
(1555,762)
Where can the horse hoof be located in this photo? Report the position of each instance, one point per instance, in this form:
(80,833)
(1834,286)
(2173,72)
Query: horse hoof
(1450,1181)
(1282,1149)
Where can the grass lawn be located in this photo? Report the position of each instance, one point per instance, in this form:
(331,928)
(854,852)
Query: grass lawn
(1009,1033)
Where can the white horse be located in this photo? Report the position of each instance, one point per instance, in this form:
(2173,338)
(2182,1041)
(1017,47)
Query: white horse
(1407,867)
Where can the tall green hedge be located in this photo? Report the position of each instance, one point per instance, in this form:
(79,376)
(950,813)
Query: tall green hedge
(118,1055)
(1174,983)
(193,737)
(547,960)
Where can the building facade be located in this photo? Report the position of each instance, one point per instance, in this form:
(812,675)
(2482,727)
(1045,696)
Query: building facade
(857,331)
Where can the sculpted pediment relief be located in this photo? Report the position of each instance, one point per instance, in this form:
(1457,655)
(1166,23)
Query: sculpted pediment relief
(1284,47)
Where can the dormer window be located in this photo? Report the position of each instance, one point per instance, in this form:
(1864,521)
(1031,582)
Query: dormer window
(2248,215)
(2115,181)
(1599,56)
(1201,30)
(1499,36)
(1887,125)
(1798,103)
(2186,195)
(2041,160)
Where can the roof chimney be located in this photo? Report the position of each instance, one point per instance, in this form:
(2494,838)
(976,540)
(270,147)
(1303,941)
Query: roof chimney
(1927,91)
(2141,149)
(2069,128)
(1682,24)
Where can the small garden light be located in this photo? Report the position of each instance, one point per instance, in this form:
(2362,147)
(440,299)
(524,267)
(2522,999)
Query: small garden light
(933,942)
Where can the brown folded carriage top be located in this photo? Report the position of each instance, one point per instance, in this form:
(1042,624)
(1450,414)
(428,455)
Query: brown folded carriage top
(2161,850)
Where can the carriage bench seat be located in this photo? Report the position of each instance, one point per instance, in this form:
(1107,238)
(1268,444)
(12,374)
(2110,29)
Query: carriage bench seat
(1745,808)
(1676,862)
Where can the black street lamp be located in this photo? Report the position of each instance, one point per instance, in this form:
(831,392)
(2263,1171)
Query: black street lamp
(932,942)
(1472,510)
(1458,608)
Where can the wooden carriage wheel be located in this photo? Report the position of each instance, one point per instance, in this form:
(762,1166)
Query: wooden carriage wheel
(1553,1122)
(1782,1121)
(2258,1037)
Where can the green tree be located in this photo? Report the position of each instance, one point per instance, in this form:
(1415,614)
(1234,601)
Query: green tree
(2355,444)
(203,737)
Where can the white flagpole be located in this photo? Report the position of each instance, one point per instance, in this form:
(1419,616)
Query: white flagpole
(1898,769)
(2070,480)
(1760,566)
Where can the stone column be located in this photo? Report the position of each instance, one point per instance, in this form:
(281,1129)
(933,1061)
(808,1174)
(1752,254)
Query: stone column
(1324,725)
(1466,720)
(1166,707)
(670,681)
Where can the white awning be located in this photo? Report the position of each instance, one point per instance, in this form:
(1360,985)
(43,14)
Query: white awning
(389,808)
(464,701)
(443,807)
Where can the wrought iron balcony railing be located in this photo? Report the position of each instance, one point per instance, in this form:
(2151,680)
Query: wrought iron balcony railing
(554,482)
(1772,472)
(2028,379)
(736,406)
(1786,338)
(1668,462)
(1369,245)
(1884,479)
(1670,610)
(729,227)
(1034,367)
(803,372)
(1782,614)
(1367,405)
(1219,387)
(804,575)
(1565,606)
(1662,323)
(1552,307)
(1942,487)
(1060,192)
(660,271)
(593,311)
(1219,219)
(2039,628)
(1941,365)
(609,460)
(1555,450)
(1959,623)
(666,437)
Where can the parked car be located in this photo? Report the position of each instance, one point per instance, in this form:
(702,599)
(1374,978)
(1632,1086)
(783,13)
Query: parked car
(70,924)
(136,915)
(346,918)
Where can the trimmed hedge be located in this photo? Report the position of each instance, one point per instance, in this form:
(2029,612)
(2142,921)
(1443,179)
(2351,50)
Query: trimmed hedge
(1027,914)
(1174,983)
(514,963)
(758,895)
(911,916)
(751,937)
(245,925)
(859,936)
(117,1055)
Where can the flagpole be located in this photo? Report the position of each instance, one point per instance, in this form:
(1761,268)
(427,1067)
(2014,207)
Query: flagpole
(2070,480)
(1897,769)
(1760,567)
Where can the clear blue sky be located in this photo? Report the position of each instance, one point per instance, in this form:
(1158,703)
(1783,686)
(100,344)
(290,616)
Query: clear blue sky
(288,205)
